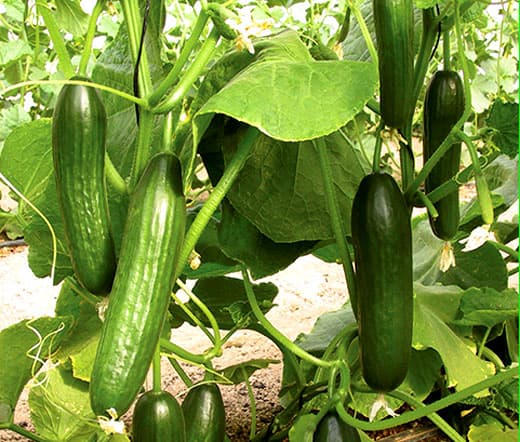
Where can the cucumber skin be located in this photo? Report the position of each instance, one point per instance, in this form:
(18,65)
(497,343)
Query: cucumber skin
(78,141)
(150,248)
(382,240)
(332,429)
(205,414)
(158,417)
(443,107)
(394,29)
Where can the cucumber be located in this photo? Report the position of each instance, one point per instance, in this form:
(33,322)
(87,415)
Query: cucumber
(78,146)
(394,29)
(205,414)
(158,417)
(150,247)
(382,240)
(332,429)
(443,107)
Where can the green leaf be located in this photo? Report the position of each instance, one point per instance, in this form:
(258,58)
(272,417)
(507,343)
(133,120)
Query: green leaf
(501,175)
(506,395)
(503,118)
(280,188)
(227,300)
(25,346)
(240,372)
(463,367)
(492,433)
(10,118)
(71,17)
(303,429)
(242,241)
(11,51)
(293,99)
(487,307)
(60,407)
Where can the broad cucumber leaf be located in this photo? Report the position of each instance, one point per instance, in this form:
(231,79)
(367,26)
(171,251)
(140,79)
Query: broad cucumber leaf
(242,241)
(239,373)
(70,17)
(25,346)
(493,432)
(503,119)
(280,188)
(60,407)
(303,429)
(463,367)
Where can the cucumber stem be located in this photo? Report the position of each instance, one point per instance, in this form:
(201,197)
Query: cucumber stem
(182,353)
(191,74)
(252,402)
(272,330)
(428,204)
(336,221)
(142,150)
(186,51)
(425,410)
(503,248)
(376,161)
(156,370)
(446,56)
(217,195)
(113,177)
(89,37)
(180,371)
(364,30)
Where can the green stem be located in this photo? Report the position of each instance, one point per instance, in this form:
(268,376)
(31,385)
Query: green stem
(168,131)
(113,177)
(156,364)
(498,415)
(376,162)
(192,316)
(190,75)
(502,247)
(484,196)
(286,342)
(58,43)
(429,37)
(364,30)
(446,428)
(186,51)
(446,56)
(483,342)
(180,371)
(26,433)
(490,355)
(91,32)
(216,338)
(428,204)
(252,402)
(216,196)
(101,87)
(142,151)
(336,220)
(426,410)
(134,26)
(182,353)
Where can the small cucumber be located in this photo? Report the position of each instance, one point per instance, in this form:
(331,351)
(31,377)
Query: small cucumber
(151,243)
(158,417)
(382,239)
(394,26)
(78,142)
(443,107)
(205,414)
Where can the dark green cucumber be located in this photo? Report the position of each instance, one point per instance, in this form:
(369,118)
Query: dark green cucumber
(394,25)
(158,417)
(78,141)
(151,243)
(332,429)
(443,107)
(382,239)
(205,414)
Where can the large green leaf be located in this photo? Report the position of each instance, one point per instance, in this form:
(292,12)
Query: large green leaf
(280,188)
(24,347)
(242,241)
(60,407)
(463,367)
(293,100)
(70,17)
(241,372)
(493,432)
(503,118)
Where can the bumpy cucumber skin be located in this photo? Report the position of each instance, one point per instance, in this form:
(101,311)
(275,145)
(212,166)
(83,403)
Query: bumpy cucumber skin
(443,107)
(158,417)
(332,429)
(382,239)
(138,302)
(205,414)
(394,28)
(78,141)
